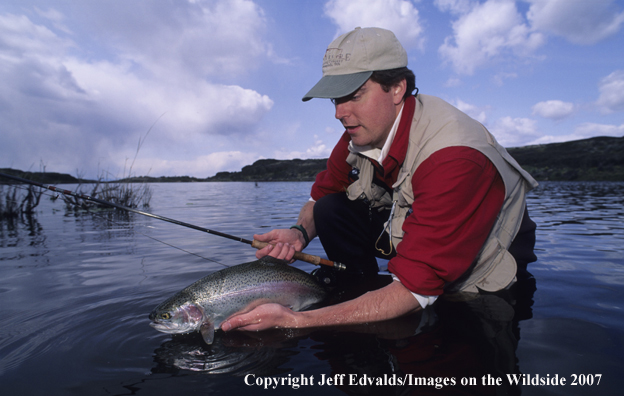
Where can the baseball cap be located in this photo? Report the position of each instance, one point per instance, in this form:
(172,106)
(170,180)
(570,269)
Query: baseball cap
(352,58)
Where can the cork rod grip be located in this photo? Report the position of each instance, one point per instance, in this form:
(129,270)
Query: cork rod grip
(308,258)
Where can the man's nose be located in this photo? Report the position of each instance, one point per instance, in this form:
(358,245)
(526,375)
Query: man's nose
(342,110)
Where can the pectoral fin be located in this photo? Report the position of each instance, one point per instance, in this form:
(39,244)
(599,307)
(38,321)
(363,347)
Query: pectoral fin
(207,331)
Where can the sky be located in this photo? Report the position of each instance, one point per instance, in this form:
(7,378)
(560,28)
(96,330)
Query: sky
(107,89)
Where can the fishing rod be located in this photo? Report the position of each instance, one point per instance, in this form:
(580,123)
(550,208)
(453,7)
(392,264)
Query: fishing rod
(308,258)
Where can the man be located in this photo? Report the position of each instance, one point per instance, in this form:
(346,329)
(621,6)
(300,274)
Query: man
(412,179)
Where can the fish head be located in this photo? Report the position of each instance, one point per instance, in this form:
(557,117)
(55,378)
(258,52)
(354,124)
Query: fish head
(176,318)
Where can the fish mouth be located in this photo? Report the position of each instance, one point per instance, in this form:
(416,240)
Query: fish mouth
(185,319)
(170,328)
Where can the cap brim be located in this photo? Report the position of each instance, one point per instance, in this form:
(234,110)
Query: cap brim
(337,86)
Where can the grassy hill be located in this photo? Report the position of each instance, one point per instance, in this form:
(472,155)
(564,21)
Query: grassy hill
(40,177)
(599,158)
(275,170)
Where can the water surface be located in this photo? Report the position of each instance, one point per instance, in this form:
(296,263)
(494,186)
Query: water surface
(76,289)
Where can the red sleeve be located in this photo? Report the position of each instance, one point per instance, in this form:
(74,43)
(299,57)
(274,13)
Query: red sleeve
(458,194)
(335,177)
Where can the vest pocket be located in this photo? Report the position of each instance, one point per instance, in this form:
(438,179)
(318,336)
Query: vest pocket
(494,270)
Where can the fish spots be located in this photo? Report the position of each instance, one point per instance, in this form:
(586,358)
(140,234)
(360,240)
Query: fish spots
(207,303)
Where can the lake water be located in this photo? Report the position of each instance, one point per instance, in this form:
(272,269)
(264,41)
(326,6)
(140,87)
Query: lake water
(76,289)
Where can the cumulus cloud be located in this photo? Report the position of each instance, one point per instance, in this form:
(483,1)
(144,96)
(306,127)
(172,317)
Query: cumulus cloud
(201,166)
(554,109)
(203,37)
(454,6)
(400,16)
(318,150)
(584,131)
(590,129)
(494,30)
(202,107)
(612,92)
(580,22)
(486,32)
(514,132)
(473,111)
(63,105)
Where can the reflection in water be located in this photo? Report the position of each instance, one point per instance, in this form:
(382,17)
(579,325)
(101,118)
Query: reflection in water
(15,231)
(234,353)
(463,336)
(76,289)
(590,210)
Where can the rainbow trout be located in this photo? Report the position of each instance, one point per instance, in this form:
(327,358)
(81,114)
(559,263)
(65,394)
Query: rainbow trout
(207,303)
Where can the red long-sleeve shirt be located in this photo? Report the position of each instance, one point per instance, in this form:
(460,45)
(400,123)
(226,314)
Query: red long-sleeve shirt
(458,194)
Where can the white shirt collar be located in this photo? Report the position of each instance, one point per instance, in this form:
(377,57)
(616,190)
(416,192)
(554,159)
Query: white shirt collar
(374,153)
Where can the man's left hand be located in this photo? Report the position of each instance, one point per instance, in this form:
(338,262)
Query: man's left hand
(263,317)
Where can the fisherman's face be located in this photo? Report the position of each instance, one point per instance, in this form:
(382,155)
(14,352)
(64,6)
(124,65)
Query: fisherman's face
(369,113)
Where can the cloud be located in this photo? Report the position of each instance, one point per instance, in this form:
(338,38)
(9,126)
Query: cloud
(514,132)
(199,108)
(494,30)
(19,37)
(200,166)
(400,16)
(584,131)
(554,109)
(64,105)
(318,150)
(486,32)
(589,129)
(453,82)
(580,22)
(500,77)
(473,111)
(612,92)
(200,38)
(454,6)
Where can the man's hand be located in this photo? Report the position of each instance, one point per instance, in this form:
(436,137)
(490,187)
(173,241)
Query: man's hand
(263,317)
(389,302)
(291,240)
(282,244)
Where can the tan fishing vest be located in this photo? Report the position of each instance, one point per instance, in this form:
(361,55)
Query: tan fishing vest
(437,125)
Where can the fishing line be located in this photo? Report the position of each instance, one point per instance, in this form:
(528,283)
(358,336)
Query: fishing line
(185,251)
(158,240)
(254,243)
(54,197)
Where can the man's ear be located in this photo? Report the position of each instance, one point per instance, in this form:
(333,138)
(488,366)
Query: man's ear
(398,91)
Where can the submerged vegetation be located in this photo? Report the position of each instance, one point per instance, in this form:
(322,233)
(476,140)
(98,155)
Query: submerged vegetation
(19,200)
(14,204)
(131,195)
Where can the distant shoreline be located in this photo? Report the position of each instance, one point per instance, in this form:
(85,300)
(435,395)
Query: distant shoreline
(594,159)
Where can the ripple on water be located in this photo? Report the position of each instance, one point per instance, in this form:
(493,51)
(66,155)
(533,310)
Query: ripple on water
(77,288)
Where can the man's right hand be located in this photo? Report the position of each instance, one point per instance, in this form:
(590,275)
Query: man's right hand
(282,244)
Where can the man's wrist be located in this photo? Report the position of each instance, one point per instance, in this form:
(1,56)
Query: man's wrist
(304,233)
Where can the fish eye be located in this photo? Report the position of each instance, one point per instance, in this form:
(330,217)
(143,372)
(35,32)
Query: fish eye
(165,316)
